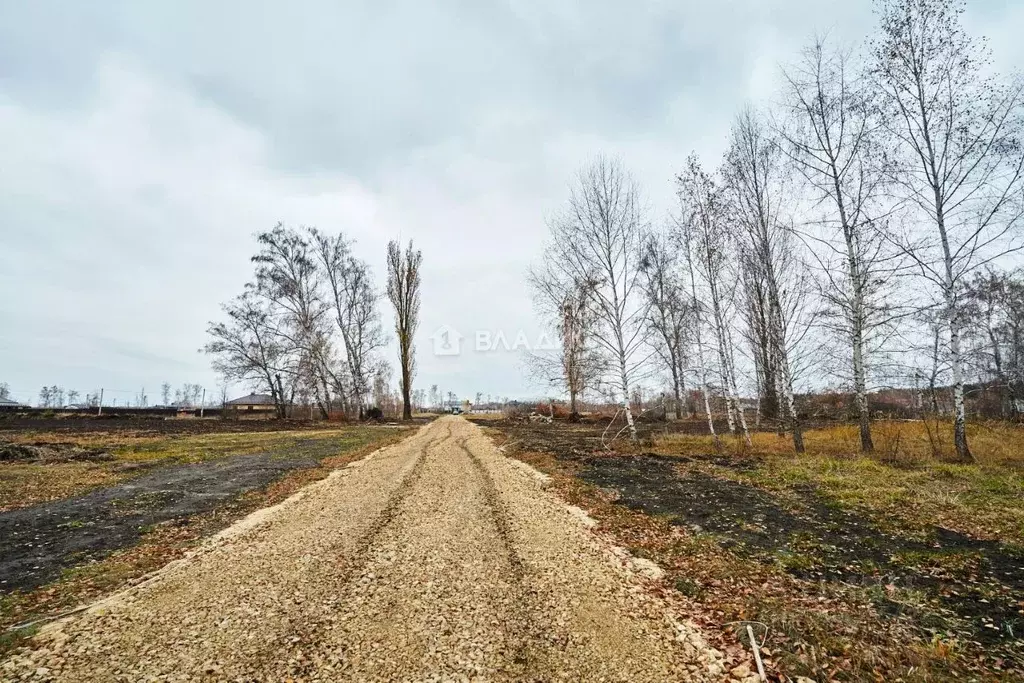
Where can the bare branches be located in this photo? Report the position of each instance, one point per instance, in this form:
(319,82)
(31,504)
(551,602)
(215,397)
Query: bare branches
(350,290)
(598,239)
(957,139)
(247,347)
(279,336)
(828,136)
(757,186)
(670,312)
(567,305)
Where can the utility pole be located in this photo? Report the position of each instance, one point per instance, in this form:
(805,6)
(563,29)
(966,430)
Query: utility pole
(202,405)
(100,412)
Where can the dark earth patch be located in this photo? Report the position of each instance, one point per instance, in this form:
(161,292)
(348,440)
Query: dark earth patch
(154,426)
(39,542)
(979,582)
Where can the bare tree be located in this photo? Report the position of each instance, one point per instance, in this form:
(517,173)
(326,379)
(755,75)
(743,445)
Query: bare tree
(51,396)
(598,238)
(670,314)
(287,275)
(703,222)
(404,294)
(72,396)
(755,312)
(165,393)
(755,180)
(381,387)
(350,284)
(5,390)
(249,348)
(993,325)
(956,133)
(568,306)
(688,251)
(829,140)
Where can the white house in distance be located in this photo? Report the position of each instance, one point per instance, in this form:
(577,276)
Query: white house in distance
(253,403)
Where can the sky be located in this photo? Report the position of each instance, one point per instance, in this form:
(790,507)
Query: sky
(143,144)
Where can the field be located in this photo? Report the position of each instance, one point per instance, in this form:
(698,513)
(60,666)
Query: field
(87,505)
(898,566)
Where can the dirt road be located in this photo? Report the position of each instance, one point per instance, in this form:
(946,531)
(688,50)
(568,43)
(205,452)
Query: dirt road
(436,559)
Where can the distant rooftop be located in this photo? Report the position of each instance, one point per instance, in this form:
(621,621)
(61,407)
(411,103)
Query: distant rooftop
(9,402)
(252,400)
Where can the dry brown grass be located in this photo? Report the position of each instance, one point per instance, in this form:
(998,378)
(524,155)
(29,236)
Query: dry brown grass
(992,443)
(902,482)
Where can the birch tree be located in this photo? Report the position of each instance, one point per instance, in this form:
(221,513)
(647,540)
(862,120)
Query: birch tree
(351,293)
(599,238)
(688,249)
(956,135)
(828,136)
(670,312)
(703,213)
(756,185)
(994,322)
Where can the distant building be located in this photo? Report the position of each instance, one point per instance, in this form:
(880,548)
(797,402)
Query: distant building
(253,403)
(8,404)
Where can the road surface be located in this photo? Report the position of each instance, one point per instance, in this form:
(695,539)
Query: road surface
(435,559)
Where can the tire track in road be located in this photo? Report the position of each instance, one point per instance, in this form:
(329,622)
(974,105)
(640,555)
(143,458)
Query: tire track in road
(439,598)
(532,648)
(309,624)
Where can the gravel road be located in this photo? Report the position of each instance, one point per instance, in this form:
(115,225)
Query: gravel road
(437,559)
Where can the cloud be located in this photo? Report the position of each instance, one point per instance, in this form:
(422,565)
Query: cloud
(144,144)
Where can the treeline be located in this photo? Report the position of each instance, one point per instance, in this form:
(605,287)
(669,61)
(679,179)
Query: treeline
(856,234)
(306,329)
(56,396)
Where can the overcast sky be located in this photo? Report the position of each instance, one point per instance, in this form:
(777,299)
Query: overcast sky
(142,144)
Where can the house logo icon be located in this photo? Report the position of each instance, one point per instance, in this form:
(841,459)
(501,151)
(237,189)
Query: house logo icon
(447,341)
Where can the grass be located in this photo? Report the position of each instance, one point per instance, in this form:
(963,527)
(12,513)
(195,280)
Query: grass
(992,443)
(900,482)
(28,483)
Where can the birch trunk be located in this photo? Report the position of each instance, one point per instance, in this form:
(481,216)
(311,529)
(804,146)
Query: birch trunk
(624,378)
(734,410)
(701,367)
